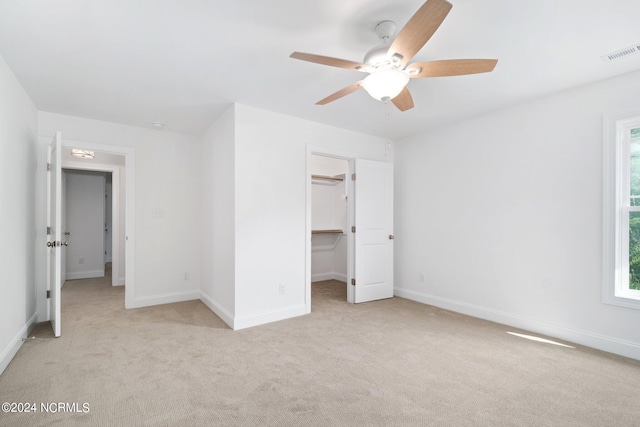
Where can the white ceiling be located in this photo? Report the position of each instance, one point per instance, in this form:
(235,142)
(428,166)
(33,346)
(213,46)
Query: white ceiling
(182,62)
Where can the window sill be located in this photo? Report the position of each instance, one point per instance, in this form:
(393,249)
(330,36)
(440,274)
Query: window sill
(621,301)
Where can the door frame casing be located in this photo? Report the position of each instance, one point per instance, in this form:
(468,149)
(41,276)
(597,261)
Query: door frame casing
(129,225)
(54,233)
(350,158)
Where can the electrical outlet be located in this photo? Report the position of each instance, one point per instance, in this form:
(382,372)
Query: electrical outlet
(185,276)
(422,277)
(282,289)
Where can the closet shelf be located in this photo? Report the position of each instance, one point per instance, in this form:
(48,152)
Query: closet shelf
(327,179)
(327,232)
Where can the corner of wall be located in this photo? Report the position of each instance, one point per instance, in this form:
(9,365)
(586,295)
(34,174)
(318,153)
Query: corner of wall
(220,311)
(217,288)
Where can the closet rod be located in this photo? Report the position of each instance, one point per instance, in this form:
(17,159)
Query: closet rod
(327,232)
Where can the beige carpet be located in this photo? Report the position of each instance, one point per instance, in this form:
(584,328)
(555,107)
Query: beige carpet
(387,363)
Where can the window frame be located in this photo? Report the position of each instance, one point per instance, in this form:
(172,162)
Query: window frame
(616,210)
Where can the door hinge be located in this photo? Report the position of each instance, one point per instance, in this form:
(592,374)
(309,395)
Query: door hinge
(48,166)
(48,230)
(353,282)
(48,294)
(353,228)
(353,177)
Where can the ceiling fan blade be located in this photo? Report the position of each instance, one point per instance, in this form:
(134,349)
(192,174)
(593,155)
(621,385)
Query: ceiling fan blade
(403,101)
(327,60)
(452,67)
(339,94)
(419,29)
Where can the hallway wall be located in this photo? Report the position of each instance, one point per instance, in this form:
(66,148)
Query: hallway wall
(85,219)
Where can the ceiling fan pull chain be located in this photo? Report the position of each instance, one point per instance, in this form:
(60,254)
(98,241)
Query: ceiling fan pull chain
(386,121)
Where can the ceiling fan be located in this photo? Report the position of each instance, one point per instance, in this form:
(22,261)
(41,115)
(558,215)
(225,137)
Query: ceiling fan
(387,66)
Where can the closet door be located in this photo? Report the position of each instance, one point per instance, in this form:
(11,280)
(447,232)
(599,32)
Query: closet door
(374,231)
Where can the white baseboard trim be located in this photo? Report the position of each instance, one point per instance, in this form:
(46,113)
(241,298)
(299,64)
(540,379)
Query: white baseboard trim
(219,311)
(321,277)
(328,276)
(586,338)
(339,276)
(165,298)
(14,345)
(84,274)
(272,316)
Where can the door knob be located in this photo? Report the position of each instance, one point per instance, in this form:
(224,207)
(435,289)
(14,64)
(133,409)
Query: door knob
(391,237)
(65,243)
(51,244)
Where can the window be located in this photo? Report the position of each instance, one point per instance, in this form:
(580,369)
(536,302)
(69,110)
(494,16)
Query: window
(621,214)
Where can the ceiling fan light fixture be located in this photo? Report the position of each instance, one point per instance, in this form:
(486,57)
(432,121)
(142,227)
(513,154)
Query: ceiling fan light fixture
(386,84)
(82,154)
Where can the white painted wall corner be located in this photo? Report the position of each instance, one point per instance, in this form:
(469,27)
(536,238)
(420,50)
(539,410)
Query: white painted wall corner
(219,311)
(167,298)
(268,317)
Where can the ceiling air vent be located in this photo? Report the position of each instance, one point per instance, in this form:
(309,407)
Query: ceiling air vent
(612,56)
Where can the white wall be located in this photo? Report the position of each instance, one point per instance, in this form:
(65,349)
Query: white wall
(218,216)
(503,214)
(258,215)
(85,219)
(270,207)
(18,136)
(167,179)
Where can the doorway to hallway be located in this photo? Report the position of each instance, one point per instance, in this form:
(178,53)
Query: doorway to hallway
(123,218)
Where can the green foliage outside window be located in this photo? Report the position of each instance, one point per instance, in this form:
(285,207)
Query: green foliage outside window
(634,218)
(634,253)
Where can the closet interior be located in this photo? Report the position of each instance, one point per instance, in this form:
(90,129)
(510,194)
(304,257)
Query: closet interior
(329,218)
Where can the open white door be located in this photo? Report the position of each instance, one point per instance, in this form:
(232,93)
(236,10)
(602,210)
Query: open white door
(55,232)
(374,230)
